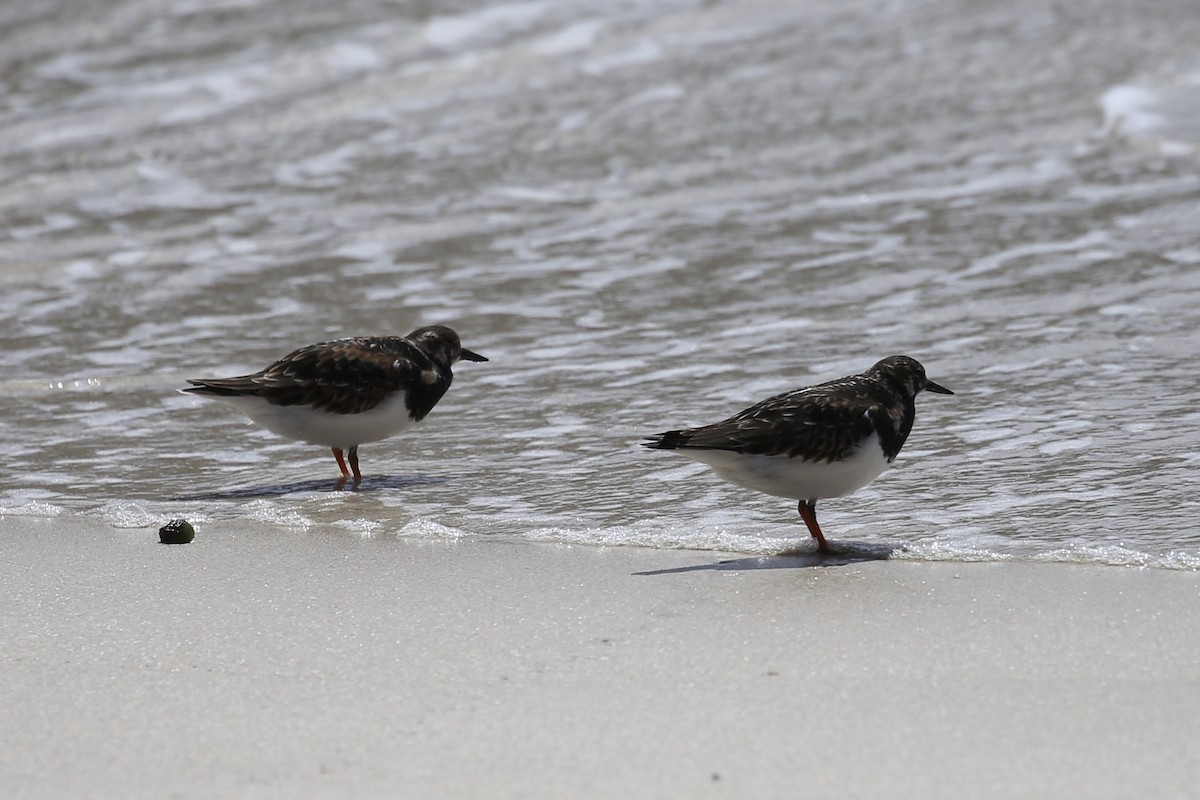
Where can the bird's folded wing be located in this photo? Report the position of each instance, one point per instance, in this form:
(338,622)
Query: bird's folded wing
(807,426)
(341,380)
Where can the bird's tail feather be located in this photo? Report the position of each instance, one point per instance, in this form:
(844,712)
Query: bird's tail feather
(216,388)
(670,440)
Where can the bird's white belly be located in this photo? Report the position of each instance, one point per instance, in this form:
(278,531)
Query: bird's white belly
(790,477)
(331,430)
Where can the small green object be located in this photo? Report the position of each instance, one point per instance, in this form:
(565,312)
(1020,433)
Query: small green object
(177,531)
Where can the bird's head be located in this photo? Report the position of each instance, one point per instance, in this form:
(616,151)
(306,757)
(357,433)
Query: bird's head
(442,345)
(907,373)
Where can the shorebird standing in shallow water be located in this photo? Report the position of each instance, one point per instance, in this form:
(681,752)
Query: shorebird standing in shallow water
(809,444)
(344,393)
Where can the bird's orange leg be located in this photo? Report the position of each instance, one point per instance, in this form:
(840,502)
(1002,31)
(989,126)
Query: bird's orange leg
(337,453)
(808,512)
(354,463)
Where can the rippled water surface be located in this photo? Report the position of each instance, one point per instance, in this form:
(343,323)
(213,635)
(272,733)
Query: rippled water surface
(647,215)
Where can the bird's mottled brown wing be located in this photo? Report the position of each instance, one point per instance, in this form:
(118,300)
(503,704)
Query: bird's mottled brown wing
(348,376)
(822,423)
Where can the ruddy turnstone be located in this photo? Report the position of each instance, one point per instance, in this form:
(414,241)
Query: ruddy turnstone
(343,393)
(809,444)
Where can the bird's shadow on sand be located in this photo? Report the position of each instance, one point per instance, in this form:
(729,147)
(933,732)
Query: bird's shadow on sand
(370,484)
(841,554)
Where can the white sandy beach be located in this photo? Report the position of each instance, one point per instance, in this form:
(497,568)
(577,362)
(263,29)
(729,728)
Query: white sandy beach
(260,662)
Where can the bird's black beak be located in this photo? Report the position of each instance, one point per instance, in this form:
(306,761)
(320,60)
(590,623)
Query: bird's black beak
(930,386)
(467,355)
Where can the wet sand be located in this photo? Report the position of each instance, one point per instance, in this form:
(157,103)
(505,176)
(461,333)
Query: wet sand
(262,662)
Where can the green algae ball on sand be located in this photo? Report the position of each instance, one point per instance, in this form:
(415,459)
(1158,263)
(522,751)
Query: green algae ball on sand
(177,531)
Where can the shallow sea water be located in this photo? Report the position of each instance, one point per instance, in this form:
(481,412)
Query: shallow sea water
(647,215)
